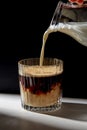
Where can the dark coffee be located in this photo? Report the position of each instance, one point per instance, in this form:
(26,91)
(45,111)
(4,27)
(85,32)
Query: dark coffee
(40,85)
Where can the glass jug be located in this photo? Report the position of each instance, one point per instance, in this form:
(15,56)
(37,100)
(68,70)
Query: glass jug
(71,19)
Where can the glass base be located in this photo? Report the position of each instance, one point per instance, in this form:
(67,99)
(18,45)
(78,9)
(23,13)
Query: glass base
(51,108)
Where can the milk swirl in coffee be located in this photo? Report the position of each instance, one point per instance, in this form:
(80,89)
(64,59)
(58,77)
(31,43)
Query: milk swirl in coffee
(40,86)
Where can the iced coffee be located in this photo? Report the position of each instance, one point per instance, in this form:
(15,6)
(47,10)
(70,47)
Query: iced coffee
(41,86)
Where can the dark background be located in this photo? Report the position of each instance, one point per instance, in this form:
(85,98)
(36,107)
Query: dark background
(22,27)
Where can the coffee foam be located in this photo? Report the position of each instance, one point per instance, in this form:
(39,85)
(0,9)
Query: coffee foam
(41,71)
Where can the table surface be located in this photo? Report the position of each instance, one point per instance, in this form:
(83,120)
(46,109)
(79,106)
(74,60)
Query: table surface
(72,115)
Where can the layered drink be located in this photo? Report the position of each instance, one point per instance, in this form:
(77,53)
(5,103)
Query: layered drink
(41,86)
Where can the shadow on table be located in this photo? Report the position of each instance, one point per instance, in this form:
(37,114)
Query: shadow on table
(69,111)
(13,123)
(72,111)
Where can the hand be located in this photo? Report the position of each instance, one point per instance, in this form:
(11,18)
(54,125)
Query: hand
(79,2)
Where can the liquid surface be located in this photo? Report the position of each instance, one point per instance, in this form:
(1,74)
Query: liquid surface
(41,71)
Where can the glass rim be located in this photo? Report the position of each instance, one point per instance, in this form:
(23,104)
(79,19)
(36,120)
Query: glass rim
(20,62)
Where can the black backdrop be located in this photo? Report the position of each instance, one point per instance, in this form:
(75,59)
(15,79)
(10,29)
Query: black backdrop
(22,28)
